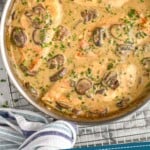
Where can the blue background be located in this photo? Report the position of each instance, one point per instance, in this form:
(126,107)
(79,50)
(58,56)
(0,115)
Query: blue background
(130,146)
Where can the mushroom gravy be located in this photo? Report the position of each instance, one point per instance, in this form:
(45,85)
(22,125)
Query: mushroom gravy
(85,59)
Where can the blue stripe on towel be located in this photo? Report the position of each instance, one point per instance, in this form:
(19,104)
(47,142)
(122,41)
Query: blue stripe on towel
(27,133)
(6,115)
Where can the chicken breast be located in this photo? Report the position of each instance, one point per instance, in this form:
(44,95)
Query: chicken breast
(37,23)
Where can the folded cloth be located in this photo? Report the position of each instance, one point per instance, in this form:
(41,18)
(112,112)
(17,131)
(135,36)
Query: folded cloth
(26,130)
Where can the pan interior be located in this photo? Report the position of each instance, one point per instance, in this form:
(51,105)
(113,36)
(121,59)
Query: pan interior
(79,60)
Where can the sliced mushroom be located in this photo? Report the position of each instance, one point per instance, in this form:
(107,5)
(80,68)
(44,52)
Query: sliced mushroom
(146,63)
(26,70)
(62,105)
(39,9)
(60,59)
(101,91)
(123,103)
(56,61)
(99,35)
(37,23)
(111,80)
(31,89)
(83,85)
(40,22)
(119,31)
(58,75)
(88,15)
(13,16)
(52,63)
(38,36)
(18,37)
(125,48)
(62,33)
(39,17)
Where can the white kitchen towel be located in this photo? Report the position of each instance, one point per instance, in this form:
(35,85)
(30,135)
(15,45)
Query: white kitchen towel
(26,130)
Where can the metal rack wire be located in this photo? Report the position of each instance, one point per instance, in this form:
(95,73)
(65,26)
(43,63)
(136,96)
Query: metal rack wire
(133,128)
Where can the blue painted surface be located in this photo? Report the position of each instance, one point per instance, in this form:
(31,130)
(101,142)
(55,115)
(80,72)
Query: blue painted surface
(130,146)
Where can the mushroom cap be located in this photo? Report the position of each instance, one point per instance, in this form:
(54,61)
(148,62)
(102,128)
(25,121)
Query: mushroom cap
(83,85)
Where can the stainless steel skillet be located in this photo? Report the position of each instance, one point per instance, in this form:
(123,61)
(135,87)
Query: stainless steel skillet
(137,103)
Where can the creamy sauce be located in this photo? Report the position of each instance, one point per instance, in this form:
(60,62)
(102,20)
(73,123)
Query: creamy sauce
(85,59)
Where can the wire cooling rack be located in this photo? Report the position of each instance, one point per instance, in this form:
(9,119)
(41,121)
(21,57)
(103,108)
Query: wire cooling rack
(133,128)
